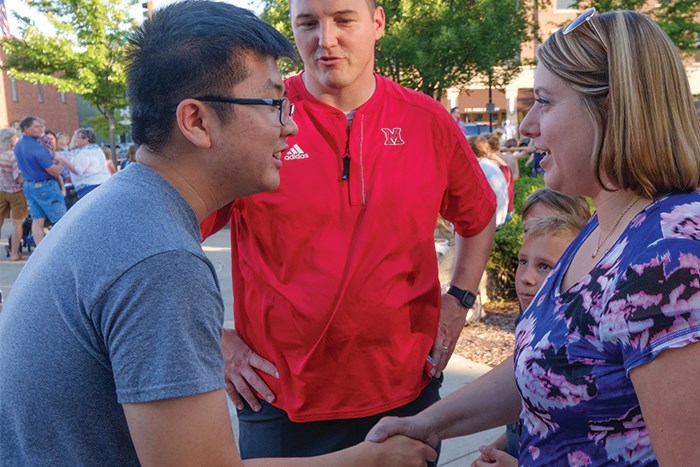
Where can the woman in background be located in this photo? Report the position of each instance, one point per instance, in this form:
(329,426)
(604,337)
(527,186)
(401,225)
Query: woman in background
(87,166)
(108,160)
(497,181)
(13,203)
(130,156)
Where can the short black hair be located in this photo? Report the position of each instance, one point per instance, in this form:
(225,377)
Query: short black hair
(188,49)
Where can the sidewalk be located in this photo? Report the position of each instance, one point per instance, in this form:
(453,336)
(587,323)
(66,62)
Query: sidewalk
(458,452)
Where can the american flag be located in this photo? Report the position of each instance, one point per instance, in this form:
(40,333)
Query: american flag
(4,24)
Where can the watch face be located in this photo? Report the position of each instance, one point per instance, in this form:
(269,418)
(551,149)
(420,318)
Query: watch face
(468,299)
(465,297)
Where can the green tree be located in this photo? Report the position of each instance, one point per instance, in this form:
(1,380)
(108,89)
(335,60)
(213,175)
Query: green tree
(276,13)
(85,53)
(677,17)
(100,126)
(432,45)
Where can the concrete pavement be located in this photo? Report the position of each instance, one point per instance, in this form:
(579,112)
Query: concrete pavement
(456,452)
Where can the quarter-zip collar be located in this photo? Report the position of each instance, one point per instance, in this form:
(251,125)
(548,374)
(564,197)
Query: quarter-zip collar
(319,106)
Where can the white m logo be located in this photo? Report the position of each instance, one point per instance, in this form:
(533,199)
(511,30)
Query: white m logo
(393,137)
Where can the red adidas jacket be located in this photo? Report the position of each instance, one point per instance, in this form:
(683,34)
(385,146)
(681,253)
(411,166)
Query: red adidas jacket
(334,274)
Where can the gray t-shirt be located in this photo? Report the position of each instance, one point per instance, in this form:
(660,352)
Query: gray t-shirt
(119,304)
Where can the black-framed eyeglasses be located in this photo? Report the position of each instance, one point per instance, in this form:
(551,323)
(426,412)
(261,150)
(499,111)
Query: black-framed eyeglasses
(584,17)
(285,107)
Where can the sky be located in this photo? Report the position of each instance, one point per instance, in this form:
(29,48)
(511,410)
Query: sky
(21,7)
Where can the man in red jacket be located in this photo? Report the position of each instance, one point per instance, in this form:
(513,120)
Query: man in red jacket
(338,308)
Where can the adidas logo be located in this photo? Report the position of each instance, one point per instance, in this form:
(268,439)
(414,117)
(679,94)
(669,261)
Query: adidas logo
(295,152)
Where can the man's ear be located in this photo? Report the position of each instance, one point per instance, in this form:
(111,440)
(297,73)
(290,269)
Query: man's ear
(194,119)
(379,23)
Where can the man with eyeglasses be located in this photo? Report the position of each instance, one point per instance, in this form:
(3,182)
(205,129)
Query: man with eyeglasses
(117,359)
(337,299)
(40,174)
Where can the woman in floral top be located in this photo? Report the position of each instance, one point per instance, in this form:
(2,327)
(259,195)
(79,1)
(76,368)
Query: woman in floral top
(607,360)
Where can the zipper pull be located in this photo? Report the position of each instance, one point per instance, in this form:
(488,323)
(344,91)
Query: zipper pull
(346,167)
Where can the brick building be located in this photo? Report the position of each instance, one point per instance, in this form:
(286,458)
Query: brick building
(513,102)
(19,99)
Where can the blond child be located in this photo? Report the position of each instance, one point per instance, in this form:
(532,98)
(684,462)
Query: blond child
(547,202)
(550,223)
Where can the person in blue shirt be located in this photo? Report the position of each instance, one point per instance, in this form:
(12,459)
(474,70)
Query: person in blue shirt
(40,175)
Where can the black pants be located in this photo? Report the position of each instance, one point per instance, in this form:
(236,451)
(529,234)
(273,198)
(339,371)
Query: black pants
(270,433)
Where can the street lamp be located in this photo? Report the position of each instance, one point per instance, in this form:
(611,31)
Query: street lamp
(490,106)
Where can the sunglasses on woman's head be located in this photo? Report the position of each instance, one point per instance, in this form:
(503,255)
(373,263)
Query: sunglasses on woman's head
(584,17)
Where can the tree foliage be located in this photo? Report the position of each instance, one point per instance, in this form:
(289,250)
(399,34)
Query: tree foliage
(677,17)
(85,54)
(432,45)
(276,13)
(100,125)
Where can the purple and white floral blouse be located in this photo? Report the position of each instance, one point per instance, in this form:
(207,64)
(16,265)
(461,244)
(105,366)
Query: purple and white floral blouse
(574,350)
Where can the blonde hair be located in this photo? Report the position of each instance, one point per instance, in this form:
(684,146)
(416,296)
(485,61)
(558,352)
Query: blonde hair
(634,87)
(480,146)
(575,208)
(551,226)
(494,142)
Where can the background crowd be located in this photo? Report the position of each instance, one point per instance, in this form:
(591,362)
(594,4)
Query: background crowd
(340,339)
(43,174)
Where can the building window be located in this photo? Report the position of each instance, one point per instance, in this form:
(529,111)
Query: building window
(40,93)
(63,97)
(565,4)
(13,85)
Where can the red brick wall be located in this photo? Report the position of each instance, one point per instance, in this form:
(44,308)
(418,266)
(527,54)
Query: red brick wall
(59,116)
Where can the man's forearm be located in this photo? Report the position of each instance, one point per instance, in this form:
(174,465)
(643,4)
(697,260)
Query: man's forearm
(471,255)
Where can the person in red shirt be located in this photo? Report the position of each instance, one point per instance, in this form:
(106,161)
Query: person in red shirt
(339,316)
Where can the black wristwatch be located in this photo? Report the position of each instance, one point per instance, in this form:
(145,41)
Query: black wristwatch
(465,297)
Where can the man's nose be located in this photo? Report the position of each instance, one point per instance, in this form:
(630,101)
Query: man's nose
(327,35)
(290,128)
